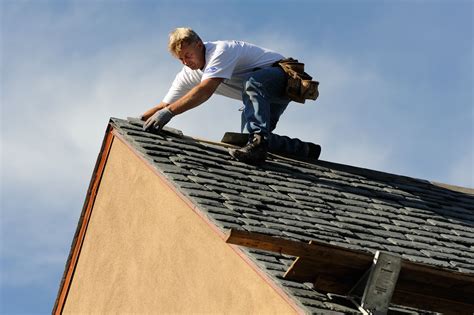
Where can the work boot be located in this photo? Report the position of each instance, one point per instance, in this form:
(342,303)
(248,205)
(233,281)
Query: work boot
(314,150)
(254,152)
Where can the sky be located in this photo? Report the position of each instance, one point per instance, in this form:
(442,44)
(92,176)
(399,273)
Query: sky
(396,95)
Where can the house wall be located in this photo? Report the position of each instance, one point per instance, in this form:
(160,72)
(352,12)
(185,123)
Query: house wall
(146,251)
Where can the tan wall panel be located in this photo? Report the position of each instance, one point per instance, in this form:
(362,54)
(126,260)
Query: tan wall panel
(146,251)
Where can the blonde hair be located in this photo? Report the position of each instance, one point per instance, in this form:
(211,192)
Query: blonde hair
(180,36)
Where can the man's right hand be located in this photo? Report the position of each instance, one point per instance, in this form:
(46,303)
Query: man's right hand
(151,111)
(158,120)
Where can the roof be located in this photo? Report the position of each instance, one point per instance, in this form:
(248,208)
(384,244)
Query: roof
(351,207)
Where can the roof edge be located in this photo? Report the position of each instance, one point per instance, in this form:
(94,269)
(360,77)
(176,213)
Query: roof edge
(83,221)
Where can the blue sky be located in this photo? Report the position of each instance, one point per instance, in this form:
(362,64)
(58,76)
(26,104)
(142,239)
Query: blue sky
(396,96)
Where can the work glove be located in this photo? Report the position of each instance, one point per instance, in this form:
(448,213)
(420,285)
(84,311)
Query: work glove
(158,120)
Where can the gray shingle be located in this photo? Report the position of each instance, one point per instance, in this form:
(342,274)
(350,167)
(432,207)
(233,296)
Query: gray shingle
(405,224)
(264,180)
(242,199)
(368,217)
(225,218)
(345,244)
(428,240)
(401,250)
(206,202)
(386,234)
(287,190)
(365,243)
(429,261)
(227,173)
(242,208)
(413,218)
(294,208)
(184,185)
(310,199)
(359,222)
(350,228)
(458,250)
(464,233)
(219,189)
(426,233)
(315,220)
(409,244)
(438,255)
(263,230)
(201,173)
(222,210)
(203,193)
(459,239)
(303,237)
(258,217)
(345,208)
(318,213)
(280,216)
(177,177)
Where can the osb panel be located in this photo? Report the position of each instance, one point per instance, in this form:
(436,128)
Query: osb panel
(146,251)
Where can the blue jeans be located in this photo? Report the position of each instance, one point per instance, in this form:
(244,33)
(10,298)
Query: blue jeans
(264,102)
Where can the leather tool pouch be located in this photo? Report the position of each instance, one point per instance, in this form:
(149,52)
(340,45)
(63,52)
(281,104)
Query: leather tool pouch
(300,85)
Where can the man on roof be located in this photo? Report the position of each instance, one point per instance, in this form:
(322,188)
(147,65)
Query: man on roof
(238,70)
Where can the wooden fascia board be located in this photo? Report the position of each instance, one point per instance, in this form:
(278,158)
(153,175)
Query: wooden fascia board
(288,247)
(83,221)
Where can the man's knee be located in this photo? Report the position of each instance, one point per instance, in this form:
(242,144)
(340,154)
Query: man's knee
(252,85)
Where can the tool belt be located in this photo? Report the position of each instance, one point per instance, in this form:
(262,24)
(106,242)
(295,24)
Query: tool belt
(300,85)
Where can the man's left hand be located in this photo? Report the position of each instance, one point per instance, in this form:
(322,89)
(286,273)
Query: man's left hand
(158,120)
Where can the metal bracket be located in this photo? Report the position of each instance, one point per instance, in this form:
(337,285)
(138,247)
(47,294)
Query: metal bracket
(378,284)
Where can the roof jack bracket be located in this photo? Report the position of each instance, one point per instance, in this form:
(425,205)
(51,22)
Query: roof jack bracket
(377,285)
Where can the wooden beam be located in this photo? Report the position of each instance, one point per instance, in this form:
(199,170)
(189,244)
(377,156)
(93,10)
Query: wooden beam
(436,289)
(334,275)
(293,248)
(335,269)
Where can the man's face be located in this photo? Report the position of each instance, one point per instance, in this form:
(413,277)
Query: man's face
(192,55)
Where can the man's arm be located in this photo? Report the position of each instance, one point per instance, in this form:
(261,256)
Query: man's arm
(198,95)
(162,113)
(153,110)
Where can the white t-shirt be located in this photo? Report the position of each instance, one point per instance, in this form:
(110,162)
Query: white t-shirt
(231,60)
